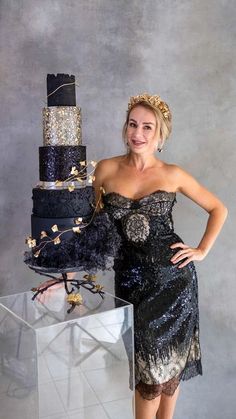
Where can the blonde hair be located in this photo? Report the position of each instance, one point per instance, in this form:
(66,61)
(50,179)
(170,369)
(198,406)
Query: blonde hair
(164,124)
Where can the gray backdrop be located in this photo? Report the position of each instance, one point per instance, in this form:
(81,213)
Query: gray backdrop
(182,50)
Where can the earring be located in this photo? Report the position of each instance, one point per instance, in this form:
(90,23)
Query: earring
(160,149)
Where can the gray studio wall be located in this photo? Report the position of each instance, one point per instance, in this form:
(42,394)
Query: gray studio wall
(182,50)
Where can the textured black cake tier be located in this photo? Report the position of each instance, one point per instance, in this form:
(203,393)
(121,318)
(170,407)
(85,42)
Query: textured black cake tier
(62,203)
(65,96)
(91,250)
(55,162)
(39,224)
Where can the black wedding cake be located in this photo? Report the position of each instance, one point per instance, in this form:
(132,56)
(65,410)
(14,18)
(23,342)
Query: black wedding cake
(60,198)
(66,231)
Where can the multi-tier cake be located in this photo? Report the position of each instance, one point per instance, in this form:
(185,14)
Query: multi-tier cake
(67,233)
(57,200)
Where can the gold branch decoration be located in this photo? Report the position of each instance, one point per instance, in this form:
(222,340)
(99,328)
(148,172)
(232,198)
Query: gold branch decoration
(79,226)
(79,175)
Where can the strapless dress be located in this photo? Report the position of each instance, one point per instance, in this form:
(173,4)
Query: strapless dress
(164,297)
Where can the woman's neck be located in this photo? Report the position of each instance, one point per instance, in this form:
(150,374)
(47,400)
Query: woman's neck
(141,162)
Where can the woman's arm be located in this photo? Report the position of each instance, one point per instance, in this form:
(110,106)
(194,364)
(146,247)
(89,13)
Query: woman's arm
(217,215)
(98,182)
(102,172)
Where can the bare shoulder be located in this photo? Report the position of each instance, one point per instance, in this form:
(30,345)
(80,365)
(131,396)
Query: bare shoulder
(105,169)
(189,186)
(172,169)
(177,174)
(172,174)
(109,162)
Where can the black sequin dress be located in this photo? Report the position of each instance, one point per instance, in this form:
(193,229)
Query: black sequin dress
(165,297)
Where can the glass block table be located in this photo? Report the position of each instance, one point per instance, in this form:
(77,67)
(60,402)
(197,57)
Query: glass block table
(55,365)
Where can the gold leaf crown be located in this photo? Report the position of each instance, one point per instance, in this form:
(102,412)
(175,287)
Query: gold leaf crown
(153,100)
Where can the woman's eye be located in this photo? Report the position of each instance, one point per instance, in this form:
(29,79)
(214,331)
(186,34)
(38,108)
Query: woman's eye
(147,127)
(132,124)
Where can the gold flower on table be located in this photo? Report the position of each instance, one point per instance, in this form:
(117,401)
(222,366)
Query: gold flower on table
(90,277)
(99,287)
(75,298)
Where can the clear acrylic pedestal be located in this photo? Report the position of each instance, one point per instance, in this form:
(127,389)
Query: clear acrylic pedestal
(55,365)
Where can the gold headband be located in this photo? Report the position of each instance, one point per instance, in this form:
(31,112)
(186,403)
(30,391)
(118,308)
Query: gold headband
(152,100)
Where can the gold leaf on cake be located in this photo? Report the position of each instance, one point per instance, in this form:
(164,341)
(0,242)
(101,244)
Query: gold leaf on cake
(102,190)
(58,183)
(79,179)
(36,254)
(93,163)
(78,220)
(57,240)
(98,287)
(74,171)
(43,234)
(28,239)
(76,229)
(83,163)
(91,179)
(54,228)
(71,188)
(31,242)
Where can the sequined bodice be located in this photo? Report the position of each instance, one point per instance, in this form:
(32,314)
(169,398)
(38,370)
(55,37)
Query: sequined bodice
(140,221)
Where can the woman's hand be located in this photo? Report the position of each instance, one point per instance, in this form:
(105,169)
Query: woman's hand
(187,253)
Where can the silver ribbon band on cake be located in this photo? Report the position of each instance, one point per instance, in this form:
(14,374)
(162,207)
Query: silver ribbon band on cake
(61,185)
(62,126)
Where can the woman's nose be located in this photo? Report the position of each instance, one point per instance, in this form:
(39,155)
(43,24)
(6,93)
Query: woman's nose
(138,131)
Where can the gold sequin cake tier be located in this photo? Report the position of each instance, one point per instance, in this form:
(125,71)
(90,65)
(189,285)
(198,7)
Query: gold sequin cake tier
(62,126)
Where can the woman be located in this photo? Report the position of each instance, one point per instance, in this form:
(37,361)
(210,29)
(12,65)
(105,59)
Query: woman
(154,269)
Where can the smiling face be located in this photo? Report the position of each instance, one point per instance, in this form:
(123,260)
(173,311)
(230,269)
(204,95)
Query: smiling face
(142,131)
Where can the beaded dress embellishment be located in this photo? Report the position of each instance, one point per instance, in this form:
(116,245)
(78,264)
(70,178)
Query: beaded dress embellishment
(165,298)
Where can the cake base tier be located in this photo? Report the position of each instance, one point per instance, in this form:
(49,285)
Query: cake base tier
(56,162)
(60,203)
(90,250)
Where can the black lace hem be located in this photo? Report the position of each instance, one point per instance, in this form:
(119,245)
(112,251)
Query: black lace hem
(192,369)
(151,391)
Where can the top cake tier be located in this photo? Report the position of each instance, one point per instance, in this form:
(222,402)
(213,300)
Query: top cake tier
(61,90)
(62,118)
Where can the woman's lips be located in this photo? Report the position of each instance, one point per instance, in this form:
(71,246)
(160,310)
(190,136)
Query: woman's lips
(138,143)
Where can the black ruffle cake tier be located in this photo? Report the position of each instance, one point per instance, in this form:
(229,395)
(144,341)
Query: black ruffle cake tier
(56,162)
(60,203)
(65,95)
(91,250)
(39,224)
